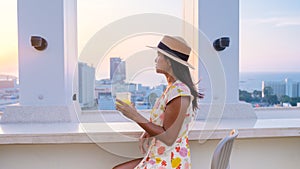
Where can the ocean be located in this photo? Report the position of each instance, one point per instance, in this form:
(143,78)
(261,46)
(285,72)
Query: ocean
(251,81)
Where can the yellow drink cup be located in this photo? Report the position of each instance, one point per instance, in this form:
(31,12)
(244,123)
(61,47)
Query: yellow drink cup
(124,97)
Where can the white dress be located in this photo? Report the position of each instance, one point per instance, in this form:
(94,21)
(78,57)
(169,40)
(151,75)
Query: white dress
(159,155)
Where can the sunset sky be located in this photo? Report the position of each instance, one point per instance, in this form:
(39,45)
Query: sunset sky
(269,39)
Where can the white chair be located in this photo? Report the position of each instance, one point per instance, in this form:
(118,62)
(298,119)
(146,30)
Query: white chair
(221,156)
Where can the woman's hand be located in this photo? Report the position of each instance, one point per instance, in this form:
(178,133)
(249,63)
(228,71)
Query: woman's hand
(127,110)
(144,142)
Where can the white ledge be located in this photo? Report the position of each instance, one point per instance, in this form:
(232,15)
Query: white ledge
(270,123)
(60,133)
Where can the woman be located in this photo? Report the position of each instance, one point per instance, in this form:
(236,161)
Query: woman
(171,114)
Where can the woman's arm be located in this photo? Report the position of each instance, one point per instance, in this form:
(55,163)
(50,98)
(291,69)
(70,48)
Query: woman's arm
(173,118)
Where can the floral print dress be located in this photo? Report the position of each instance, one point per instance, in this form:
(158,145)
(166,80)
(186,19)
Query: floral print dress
(177,156)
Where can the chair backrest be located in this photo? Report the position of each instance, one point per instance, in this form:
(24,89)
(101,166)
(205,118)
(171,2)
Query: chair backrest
(221,156)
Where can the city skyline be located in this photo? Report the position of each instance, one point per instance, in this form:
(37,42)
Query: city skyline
(266,44)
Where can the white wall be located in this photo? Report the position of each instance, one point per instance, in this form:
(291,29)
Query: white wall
(46,76)
(219,18)
(258,153)
(70,50)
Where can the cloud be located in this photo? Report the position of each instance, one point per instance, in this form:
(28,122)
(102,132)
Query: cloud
(275,21)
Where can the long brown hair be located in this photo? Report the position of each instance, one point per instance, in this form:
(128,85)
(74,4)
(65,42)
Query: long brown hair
(183,74)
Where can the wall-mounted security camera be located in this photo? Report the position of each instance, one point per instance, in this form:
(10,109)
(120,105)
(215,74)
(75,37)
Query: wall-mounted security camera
(221,43)
(38,43)
(74,97)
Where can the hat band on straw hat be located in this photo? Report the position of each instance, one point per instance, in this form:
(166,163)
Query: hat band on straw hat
(174,48)
(182,56)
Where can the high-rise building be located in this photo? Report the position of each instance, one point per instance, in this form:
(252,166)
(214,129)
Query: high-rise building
(295,90)
(8,82)
(86,85)
(103,92)
(280,88)
(291,88)
(117,70)
(298,89)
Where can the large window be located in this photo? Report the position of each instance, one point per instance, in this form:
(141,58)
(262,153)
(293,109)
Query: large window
(269,53)
(9,92)
(269,58)
(109,65)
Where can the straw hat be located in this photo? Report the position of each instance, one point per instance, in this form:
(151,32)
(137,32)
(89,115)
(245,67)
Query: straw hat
(175,48)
